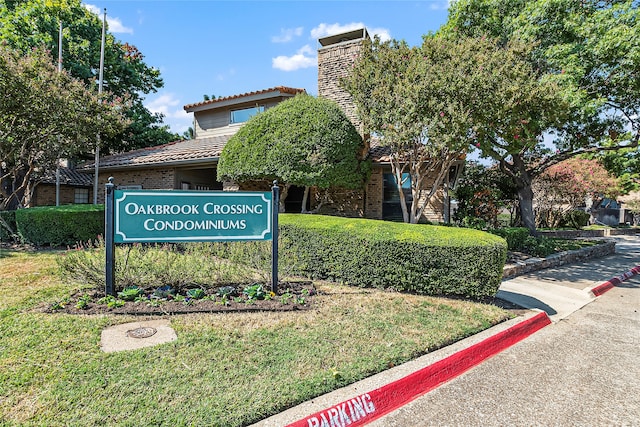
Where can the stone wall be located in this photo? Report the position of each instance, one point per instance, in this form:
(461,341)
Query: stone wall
(576,234)
(561,258)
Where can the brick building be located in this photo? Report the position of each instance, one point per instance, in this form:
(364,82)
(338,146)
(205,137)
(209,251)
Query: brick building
(192,164)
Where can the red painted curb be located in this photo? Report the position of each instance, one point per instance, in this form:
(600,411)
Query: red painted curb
(370,406)
(609,284)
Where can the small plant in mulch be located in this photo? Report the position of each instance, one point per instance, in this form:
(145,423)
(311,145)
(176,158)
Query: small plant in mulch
(164,292)
(226,291)
(196,293)
(255,291)
(130,293)
(83,302)
(111,302)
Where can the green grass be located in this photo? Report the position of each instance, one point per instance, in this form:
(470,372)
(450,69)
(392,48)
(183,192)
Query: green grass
(227,369)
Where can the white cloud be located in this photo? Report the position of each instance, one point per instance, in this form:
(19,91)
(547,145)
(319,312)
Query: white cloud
(287,34)
(115,24)
(324,30)
(171,108)
(440,5)
(302,59)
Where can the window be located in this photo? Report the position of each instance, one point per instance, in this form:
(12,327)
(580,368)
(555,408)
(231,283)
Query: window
(241,116)
(391,208)
(81,195)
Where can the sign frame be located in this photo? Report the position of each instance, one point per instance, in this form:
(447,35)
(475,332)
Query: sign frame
(197,207)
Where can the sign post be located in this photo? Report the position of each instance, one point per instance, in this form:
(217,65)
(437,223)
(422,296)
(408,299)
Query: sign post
(109,240)
(274,240)
(189,216)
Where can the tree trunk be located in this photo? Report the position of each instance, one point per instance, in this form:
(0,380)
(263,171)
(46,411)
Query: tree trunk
(397,170)
(305,198)
(284,190)
(521,178)
(528,217)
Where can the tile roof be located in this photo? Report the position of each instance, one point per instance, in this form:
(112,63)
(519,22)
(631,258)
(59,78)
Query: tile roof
(178,152)
(281,89)
(377,152)
(69,176)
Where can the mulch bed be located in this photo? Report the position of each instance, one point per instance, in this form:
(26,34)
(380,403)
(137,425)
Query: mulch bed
(288,298)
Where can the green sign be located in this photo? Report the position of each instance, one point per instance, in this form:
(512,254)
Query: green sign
(188,216)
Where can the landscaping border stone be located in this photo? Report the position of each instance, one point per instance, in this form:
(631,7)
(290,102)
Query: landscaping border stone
(561,258)
(579,234)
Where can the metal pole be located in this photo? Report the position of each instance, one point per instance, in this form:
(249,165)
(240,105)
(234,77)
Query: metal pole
(275,191)
(100,84)
(59,70)
(109,239)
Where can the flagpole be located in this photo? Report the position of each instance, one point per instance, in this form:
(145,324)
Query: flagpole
(59,70)
(100,83)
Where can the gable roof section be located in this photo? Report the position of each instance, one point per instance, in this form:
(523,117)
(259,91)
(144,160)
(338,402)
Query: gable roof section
(244,97)
(69,176)
(191,151)
(378,153)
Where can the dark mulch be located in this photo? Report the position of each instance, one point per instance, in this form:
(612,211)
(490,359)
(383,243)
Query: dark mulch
(291,296)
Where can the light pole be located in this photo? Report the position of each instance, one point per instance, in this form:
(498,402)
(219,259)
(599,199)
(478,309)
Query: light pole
(100,83)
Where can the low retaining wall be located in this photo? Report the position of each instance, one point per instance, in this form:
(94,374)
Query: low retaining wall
(576,234)
(561,258)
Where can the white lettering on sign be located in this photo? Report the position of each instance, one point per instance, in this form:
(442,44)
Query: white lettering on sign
(344,414)
(213,209)
(135,209)
(177,225)
(208,208)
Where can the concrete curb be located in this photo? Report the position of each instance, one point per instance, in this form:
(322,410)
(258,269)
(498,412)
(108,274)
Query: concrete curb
(609,284)
(354,406)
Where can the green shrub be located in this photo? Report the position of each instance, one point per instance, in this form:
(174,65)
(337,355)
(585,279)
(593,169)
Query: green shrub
(575,219)
(7,218)
(515,236)
(539,246)
(417,258)
(60,225)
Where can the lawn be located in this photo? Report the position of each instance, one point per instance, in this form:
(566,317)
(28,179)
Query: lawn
(228,369)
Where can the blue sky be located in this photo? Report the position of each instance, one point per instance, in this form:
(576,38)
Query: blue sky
(224,48)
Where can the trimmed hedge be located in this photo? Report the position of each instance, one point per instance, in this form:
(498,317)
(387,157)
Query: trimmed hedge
(419,258)
(516,237)
(10,218)
(60,225)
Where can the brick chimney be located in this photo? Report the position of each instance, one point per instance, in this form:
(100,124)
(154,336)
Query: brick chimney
(336,56)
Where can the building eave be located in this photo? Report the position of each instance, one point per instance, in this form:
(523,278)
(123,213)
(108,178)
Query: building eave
(245,98)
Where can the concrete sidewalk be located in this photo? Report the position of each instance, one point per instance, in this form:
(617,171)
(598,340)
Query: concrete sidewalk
(557,291)
(583,370)
(563,290)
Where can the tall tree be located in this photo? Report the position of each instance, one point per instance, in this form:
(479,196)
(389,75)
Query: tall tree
(566,186)
(44,115)
(426,103)
(35,23)
(590,49)
(303,141)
